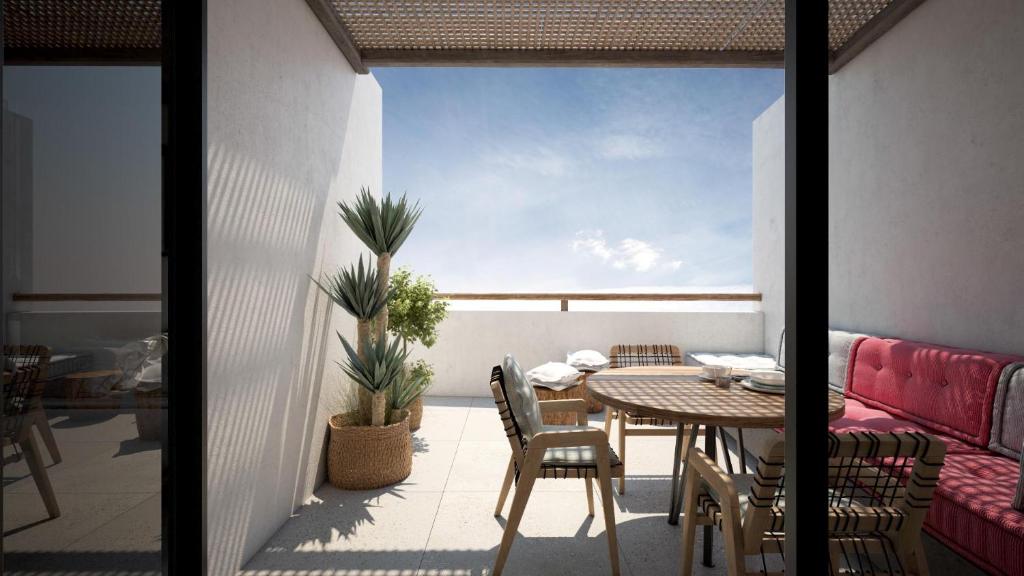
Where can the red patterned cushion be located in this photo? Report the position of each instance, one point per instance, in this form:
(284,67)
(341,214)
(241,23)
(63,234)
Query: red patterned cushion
(860,418)
(947,389)
(971,512)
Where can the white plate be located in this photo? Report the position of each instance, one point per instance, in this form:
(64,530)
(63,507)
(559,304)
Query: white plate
(753,386)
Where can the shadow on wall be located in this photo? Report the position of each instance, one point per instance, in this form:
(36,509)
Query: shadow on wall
(269,228)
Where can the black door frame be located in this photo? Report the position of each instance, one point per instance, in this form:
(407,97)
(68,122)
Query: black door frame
(806,152)
(184,241)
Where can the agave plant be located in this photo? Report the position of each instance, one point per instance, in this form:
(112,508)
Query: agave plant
(380,367)
(415,381)
(383,226)
(358,291)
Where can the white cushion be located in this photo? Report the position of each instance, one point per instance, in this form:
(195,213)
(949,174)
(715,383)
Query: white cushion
(590,360)
(522,400)
(554,375)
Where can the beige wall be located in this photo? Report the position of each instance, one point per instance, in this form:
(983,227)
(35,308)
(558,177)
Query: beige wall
(926,179)
(769,221)
(291,131)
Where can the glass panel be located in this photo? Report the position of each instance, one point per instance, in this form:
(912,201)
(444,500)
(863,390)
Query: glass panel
(82,320)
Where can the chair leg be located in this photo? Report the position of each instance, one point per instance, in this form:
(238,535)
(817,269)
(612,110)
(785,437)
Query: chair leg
(917,563)
(506,485)
(43,425)
(590,496)
(608,415)
(38,470)
(732,533)
(689,522)
(527,477)
(622,451)
(605,484)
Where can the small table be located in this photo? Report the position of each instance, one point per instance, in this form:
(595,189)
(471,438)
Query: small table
(677,393)
(77,380)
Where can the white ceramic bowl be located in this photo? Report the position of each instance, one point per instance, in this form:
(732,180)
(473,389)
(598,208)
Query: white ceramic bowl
(768,376)
(717,371)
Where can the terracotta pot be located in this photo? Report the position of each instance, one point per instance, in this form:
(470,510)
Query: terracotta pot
(416,414)
(365,457)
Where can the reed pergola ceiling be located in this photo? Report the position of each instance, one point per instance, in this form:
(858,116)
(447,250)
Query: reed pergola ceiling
(87,31)
(738,33)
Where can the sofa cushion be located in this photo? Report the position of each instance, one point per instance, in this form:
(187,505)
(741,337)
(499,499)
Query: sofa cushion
(840,344)
(1018,498)
(861,418)
(971,512)
(1008,412)
(947,389)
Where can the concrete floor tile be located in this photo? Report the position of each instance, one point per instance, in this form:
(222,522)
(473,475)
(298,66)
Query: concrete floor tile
(444,418)
(137,529)
(27,528)
(555,537)
(94,467)
(352,532)
(431,464)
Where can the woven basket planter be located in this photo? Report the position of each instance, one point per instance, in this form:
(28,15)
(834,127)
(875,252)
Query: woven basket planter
(416,414)
(365,457)
(577,391)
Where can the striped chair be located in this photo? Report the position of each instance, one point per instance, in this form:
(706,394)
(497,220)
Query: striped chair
(880,489)
(621,356)
(559,452)
(37,358)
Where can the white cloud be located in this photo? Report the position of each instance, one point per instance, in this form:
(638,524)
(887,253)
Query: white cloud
(628,147)
(628,254)
(542,160)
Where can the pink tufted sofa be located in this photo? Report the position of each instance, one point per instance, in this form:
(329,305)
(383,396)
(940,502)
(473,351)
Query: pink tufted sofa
(898,385)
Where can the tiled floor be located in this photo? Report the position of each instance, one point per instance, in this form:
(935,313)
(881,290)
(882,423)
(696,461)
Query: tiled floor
(108,490)
(440,520)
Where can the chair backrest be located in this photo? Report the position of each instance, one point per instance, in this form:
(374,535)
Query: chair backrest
(19,386)
(623,355)
(879,484)
(21,356)
(515,436)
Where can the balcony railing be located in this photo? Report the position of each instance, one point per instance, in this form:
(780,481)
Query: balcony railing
(565,297)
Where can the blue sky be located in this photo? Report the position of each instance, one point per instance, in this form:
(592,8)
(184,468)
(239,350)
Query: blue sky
(576,179)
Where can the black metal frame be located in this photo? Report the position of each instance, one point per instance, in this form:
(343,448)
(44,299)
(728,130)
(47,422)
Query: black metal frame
(184,251)
(806,287)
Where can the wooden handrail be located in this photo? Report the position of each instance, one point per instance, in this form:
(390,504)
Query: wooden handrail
(565,297)
(672,297)
(85,297)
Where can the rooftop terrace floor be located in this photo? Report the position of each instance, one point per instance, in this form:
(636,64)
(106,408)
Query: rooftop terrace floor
(440,520)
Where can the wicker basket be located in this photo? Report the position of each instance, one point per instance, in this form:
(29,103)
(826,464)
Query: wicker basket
(365,457)
(151,412)
(416,414)
(577,391)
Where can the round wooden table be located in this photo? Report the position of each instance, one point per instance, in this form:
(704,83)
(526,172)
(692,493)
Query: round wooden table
(678,394)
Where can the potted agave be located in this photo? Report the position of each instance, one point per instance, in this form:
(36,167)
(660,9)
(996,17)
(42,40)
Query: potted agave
(371,446)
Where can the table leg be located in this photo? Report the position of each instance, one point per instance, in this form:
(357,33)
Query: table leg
(679,480)
(710,448)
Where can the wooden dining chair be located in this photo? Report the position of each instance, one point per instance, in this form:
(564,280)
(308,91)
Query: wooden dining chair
(559,452)
(26,356)
(19,388)
(624,355)
(880,489)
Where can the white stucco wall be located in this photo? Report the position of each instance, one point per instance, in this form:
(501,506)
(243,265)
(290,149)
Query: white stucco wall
(291,131)
(470,343)
(926,179)
(769,220)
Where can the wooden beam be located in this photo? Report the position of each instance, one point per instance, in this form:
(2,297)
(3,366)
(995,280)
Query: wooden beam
(82,56)
(677,297)
(575,58)
(339,33)
(86,297)
(873,30)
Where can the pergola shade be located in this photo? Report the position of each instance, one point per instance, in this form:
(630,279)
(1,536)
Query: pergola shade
(475,32)
(94,31)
